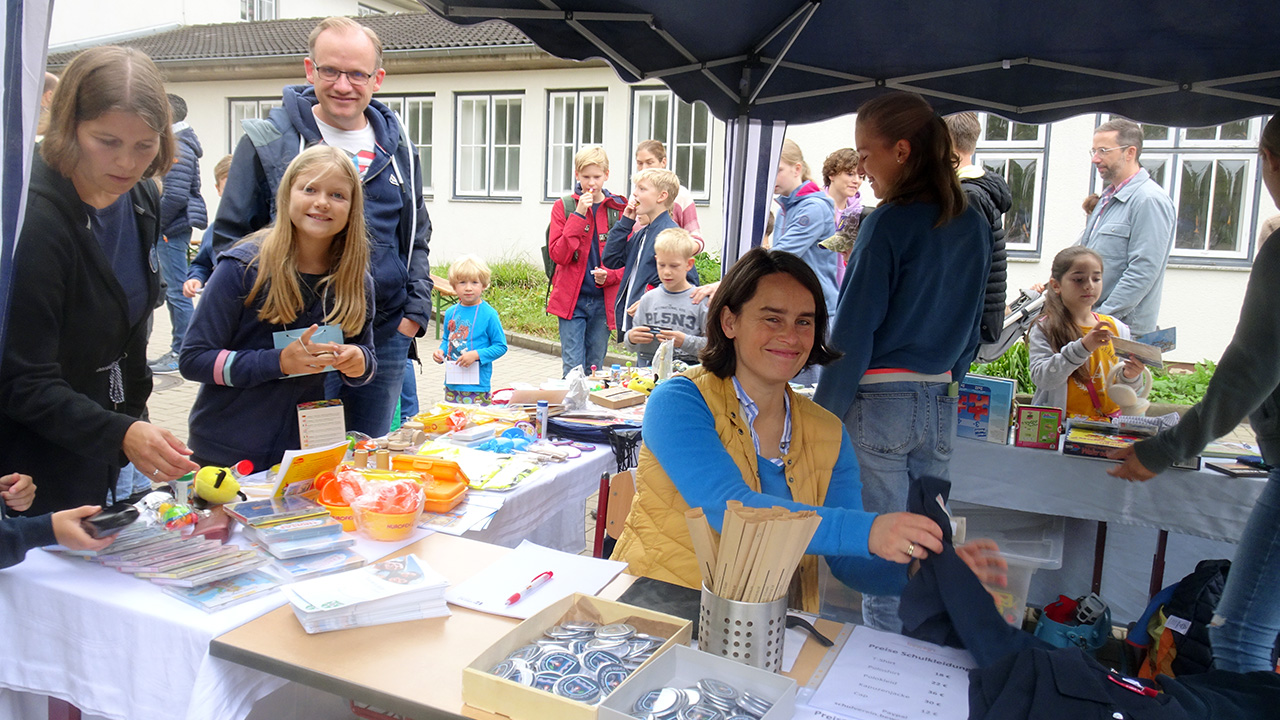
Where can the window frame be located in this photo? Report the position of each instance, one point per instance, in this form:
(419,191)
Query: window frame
(257,7)
(491,98)
(1006,150)
(700,197)
(262,106)
(1176,150)
(578,142)
(402,100)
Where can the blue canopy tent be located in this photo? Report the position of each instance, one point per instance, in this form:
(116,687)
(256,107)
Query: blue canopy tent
(760,65)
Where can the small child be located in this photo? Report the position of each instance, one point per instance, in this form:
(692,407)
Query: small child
(668,312)
(582,290)
(252,340)
(1072,360)
(654,194)
(473,333)
(202,266)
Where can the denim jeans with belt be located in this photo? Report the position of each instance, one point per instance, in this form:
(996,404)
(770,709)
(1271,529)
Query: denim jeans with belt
(1247,621)
(902,430)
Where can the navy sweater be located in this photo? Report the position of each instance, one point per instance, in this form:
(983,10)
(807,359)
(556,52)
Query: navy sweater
(912,298)
(20,534)
(635,254)
(247,408)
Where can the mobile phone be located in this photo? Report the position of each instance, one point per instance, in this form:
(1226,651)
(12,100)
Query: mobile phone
(110,521)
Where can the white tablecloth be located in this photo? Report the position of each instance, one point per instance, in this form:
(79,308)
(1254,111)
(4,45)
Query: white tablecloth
(550,511)
(118,647)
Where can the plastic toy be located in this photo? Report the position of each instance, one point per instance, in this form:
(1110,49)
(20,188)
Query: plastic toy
(643,385)
(217,485)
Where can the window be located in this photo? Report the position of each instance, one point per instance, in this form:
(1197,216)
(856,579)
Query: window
(1016,152)
(417,113)
(685,129)
(244,108)
(257,10)
(363,10)
(1211,174)
(575,119)
(487,150)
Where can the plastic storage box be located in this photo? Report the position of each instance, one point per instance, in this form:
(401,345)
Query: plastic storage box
(1028,542)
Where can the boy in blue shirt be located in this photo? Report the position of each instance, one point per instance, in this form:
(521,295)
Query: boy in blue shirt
(473,334)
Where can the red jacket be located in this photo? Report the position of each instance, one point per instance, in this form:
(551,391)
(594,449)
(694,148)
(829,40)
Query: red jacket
(570,235)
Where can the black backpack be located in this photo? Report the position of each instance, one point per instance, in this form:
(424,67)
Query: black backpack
(569,204)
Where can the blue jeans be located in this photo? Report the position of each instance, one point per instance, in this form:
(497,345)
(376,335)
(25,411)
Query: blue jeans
(1247,621)
(369,407)
(585,338)
(408,392)
(129,482)
(902,430)
(172,251)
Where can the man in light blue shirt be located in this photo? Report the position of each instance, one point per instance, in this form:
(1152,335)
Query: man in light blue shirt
(1131,228)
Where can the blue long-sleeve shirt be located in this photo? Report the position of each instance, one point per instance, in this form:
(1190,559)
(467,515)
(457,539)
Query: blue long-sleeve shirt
(912,298)
(474,327)
(20,534)
(680,431)
(247,408)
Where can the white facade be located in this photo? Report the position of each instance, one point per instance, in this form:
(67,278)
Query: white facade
(1201,300)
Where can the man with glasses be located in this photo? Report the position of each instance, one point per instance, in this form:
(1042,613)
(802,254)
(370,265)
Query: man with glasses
(337,108)
(1131,228)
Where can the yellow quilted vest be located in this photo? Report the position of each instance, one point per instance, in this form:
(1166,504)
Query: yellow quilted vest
(655,540)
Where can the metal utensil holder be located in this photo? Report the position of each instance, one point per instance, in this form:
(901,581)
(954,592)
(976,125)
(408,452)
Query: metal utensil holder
(749,633)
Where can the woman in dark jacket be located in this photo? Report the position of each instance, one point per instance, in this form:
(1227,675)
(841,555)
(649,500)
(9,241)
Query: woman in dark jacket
(74,379)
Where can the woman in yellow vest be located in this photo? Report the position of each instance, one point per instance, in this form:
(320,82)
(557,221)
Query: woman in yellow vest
(732,429)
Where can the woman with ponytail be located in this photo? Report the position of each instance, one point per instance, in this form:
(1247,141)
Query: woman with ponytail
(908,317)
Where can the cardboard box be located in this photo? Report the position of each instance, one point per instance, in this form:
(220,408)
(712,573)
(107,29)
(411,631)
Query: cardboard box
(531,397)
(519,702)
(616,398)
(684,667)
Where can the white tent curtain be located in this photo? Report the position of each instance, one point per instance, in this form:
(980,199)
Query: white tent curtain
(752,150)
(26,40)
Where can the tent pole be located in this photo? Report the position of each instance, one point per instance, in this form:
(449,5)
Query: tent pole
(813,8)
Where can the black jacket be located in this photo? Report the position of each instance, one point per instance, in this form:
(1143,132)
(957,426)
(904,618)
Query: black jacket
(991,196)
(68,322)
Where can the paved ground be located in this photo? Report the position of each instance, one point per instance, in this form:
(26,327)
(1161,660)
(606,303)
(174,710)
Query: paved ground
(173,397)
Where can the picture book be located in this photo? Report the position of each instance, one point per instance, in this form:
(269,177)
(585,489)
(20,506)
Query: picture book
(1095,439)
(299,468)
(322,526)
(1149,355)
(985,408)
(1165,338)
(308,546)
(1037,427)
(1237,469)
(222,594)
(312,566)
(275,510)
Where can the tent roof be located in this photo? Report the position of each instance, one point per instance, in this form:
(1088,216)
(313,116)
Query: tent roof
(1172,62)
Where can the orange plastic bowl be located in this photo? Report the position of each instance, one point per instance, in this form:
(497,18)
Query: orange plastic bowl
(343,514)
(388,526)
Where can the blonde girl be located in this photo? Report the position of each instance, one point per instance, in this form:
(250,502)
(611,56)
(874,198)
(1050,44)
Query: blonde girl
(1073,362)
(286,304)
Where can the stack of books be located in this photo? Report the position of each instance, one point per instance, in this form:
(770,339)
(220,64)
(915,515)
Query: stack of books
(299,536)
(395,590)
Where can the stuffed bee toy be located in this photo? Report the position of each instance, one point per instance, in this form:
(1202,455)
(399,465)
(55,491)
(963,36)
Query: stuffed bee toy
(216,486)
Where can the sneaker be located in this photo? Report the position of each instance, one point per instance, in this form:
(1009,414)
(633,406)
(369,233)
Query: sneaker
(166,364)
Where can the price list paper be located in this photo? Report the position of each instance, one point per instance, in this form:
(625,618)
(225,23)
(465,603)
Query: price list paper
(883,676)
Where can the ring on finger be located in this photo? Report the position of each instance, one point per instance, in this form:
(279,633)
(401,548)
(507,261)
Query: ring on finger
(911,549)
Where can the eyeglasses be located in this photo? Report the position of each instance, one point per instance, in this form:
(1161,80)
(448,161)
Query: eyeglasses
(331,74)
(1093,153)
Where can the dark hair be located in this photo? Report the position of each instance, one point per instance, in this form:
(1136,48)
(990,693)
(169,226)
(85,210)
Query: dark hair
(739,285)
(929,173)
(1271,136)
(1056,322)
(100,80)
(178,107)
(844,160)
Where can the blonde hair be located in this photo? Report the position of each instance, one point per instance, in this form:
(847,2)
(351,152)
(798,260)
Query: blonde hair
(590,156)
(469,268)
(277,258)
(965,129)
(662,180)
(791,155)
(222,169)
(98,81)
(344,25)
(654,148)
(677,241)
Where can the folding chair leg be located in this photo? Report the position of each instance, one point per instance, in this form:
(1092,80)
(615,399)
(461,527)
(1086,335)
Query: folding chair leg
(602,516)
(62,710)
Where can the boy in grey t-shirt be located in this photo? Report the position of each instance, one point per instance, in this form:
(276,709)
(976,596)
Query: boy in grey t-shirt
(667,312)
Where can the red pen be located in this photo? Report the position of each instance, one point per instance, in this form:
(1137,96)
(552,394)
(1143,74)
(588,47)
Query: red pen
(537,582)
